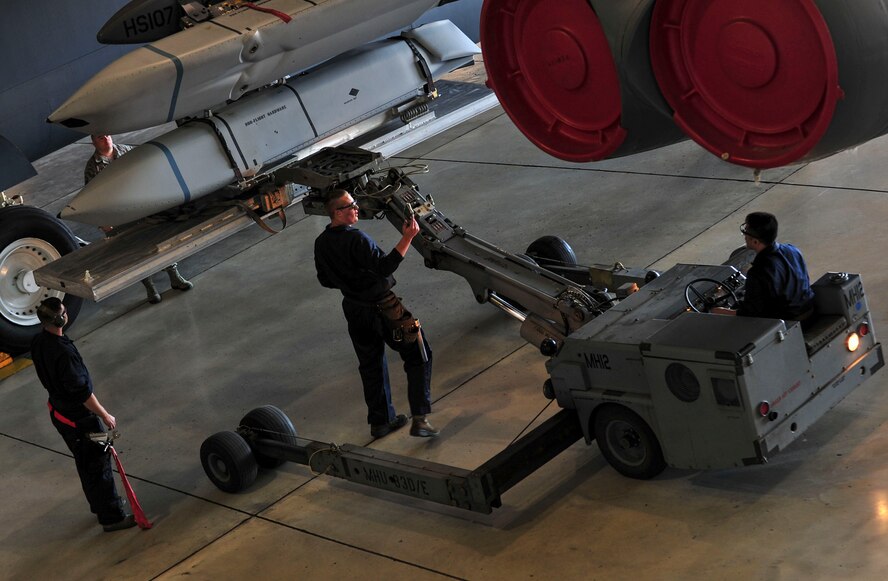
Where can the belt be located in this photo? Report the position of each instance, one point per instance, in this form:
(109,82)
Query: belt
(55,413)
(384,299)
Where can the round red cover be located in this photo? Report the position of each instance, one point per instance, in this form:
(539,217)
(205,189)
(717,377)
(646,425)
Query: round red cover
(551,68)
(754,81)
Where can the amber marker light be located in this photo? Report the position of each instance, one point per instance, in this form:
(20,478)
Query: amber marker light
(852,342)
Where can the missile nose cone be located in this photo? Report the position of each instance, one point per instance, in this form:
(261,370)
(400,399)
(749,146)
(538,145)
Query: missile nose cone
(182,165)
(120,97)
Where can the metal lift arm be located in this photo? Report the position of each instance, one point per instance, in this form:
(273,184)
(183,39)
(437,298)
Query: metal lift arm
(476,490)
(550,305)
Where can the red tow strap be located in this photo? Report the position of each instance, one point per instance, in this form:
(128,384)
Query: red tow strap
(141,519)
(282,15)
(138,513)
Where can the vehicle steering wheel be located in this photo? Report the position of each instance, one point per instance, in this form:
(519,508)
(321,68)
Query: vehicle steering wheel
(729,299)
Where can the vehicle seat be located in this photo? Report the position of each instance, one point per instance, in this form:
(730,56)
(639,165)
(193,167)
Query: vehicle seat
(819,330)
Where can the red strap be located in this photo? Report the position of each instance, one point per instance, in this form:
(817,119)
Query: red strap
(141,519)
(59,416)
(282,15)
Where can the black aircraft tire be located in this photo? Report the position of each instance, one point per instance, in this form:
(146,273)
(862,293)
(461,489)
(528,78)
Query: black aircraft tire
(552,250)
(29,238)
(271,423)
(228,461)
(628,443)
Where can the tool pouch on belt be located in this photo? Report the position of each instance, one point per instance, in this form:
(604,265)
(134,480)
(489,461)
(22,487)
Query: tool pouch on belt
(399,320)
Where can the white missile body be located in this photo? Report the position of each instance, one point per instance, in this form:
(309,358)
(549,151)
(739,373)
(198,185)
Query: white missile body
(220,60)
(235,144)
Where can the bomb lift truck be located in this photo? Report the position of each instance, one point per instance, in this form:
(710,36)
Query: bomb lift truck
(635,361)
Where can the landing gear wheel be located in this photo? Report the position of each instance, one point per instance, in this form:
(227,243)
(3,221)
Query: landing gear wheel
(29,239)
(729,299)
(228,461)
(628,443)
(551,250)
(271,423)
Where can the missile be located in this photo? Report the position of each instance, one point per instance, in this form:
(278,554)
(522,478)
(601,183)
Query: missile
(251,135)
(221,59)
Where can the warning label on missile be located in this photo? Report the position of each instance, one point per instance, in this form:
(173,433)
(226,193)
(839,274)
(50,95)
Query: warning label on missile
(259,118)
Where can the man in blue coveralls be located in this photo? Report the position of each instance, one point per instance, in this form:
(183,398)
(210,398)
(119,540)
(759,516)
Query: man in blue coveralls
(777,285)
(349,260)
(76,413)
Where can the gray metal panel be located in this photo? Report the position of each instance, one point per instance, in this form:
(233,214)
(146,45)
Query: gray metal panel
(700,336)
(636,318)
(39,75)
(590,365)
(835,295)
(353,85)
(699,433)
(263,127)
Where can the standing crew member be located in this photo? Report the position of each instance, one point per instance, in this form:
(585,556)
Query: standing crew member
(777,285)
(75,412)
(349,260)
(106,152)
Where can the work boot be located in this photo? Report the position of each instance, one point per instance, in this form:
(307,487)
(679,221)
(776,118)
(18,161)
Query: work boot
(153,296)
(380,430)
(421,428)
(176,279)
(126,522)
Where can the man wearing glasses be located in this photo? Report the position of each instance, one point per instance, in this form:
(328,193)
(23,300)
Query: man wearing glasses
(349,260)
(777,285)
(75,412)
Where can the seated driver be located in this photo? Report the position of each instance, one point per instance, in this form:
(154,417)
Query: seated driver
(777,284)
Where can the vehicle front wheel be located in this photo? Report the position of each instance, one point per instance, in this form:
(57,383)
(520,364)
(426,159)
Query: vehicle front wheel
(628,443)
(29,239)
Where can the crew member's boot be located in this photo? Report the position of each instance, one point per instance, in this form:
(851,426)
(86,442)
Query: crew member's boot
(176,279)
(421,428)
(153,295)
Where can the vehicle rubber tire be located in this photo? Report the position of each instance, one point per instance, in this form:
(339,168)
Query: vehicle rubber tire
(628,443)
(271,423)
(228,461)
(552,250)
(29,237)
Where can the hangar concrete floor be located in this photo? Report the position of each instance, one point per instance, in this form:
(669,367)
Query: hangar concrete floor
(258,329)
